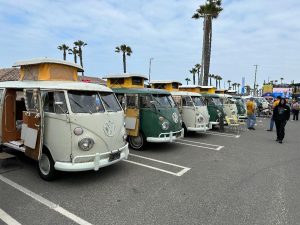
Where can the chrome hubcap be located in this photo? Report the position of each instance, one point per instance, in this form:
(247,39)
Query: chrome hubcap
(44,164)
(137,141)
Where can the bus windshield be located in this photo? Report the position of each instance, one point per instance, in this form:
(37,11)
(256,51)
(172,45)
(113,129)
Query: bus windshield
(163,100)
(216,101)
(197,101)
(92,102)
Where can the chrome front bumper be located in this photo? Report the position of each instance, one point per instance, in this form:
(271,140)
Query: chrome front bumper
(94,162)
(199,127)
(167,137)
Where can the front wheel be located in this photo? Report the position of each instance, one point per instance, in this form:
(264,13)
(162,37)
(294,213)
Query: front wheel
(46,166)
(137,142)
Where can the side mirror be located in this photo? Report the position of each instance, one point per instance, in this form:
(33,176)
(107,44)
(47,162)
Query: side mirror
(152,104)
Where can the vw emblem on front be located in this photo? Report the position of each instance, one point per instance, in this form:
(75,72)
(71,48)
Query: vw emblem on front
(175,117)
(109,128)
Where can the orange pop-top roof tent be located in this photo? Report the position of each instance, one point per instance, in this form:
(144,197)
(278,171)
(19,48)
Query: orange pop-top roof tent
(48,69)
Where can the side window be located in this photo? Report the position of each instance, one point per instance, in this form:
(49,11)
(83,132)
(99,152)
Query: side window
(55,102)
(131,101)
(31,100)
(145,101)
(187,101)
(177,100)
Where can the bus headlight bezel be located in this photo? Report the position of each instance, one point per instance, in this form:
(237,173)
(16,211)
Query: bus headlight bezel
(86,144)
(165,125)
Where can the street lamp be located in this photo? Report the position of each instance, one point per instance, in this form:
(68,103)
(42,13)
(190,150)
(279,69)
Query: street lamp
(150,68)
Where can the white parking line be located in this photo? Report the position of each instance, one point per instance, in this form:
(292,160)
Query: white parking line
(222,134)
(45,202)
(7,218)
(202,143)
(199,146)
(178,174)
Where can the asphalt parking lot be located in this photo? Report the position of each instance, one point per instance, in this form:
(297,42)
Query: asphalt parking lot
(213,178)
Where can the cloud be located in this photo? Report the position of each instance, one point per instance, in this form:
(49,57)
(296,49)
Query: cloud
(246,33)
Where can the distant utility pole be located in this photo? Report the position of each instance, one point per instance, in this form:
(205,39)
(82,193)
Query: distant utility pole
(150,68)
(254,86)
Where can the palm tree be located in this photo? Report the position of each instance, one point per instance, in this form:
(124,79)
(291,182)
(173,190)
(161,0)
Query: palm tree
(216,79)
(194,71)
(238,87)
(281,79)
(80,44)
(187,80)
(126,50)
(64,48)
(211,76)
(74,52)
(198,67)
(229,81)
(209,11)
(220,78)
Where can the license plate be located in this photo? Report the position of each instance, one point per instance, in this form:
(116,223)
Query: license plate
(114,156)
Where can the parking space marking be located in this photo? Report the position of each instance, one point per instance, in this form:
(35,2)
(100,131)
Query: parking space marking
(222,134)
(178,174)
(7,218)
(45,202)
(199,146)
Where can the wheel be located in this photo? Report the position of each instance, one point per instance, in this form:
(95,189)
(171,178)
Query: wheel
(137,142)
(46,166)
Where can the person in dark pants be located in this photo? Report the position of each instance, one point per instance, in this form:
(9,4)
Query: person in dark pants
(281,115)
(295,110)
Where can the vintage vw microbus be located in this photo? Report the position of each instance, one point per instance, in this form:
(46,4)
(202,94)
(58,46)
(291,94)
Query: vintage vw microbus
(63,124)
(241,107)
(191,106)
(229,105)
(215,108)
(151,114)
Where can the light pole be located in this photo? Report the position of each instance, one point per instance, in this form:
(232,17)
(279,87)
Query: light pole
(254,86)
(150,68)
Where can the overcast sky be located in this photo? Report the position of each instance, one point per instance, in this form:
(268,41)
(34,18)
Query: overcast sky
(247,32)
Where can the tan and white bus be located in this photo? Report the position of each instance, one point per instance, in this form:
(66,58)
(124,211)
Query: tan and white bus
(63,124)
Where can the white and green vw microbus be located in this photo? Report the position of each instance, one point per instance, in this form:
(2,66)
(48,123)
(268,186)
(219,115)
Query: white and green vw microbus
(193,110)
(63,124)
(230,108)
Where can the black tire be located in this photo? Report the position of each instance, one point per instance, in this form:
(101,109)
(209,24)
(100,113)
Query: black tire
(46,166)
(137,142)
(185,129)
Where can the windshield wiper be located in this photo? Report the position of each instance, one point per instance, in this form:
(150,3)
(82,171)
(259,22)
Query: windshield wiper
(77,103)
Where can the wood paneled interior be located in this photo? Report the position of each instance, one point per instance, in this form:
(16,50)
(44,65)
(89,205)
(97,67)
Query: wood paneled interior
(135,114)
(31,122)
(9,130)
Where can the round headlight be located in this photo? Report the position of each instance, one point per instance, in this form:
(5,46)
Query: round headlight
(233,113)
(161,118)
(86,144)
(200,119)
(78,131)
(165,125)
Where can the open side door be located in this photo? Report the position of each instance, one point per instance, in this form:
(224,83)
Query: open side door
(132,113)
(33,123)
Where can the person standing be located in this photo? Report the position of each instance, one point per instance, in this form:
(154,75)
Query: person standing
(281,115)
(295,110)
(272,122)
(251,114)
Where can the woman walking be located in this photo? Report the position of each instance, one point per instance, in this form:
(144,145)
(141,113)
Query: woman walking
(281,115)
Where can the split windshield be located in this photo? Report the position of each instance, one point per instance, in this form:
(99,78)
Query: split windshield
(163,100)
(93,102)
(216,101)
(197,101)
